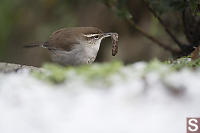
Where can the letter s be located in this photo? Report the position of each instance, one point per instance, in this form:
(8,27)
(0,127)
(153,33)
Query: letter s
(192,125)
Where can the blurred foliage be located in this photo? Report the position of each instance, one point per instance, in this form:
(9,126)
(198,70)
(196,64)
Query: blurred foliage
(58,74)
(157,8)
(119,7)
(158,66)
(38,17)
(162,6)
(184,62)
(104,72)
(195,6)
(7,20)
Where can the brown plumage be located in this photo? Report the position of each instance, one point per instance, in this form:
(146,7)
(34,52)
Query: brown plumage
(64,39)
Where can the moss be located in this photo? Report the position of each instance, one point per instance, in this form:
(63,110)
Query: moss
(161,67)
(102,73)
(58,74)
(154,65)
(98,71)
(184,62)
(54,73)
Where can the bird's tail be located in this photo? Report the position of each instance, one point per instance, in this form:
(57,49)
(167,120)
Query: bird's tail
(33,45)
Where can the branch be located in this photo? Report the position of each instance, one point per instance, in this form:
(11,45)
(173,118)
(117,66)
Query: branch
(153,39)
(165,27)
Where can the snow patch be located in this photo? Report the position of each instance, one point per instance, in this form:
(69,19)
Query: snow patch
(143,102)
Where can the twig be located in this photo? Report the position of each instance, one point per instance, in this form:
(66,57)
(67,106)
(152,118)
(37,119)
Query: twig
(153,39)
(165,27)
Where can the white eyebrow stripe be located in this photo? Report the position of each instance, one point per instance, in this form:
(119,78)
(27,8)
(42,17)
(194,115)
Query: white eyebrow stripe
(91,35)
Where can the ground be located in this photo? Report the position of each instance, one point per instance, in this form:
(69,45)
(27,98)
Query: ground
(142,97)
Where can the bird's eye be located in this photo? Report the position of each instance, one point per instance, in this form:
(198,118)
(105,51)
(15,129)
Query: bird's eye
(96,37)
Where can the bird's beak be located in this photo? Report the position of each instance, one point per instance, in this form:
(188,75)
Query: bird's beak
(107,35)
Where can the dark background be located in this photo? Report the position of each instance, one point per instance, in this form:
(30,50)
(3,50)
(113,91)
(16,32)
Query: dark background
(27,21)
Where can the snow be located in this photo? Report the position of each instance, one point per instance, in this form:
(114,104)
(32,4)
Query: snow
(152,101)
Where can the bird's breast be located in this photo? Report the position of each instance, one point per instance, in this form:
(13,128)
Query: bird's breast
(78,56)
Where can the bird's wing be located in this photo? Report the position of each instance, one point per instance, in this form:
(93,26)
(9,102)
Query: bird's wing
(61,40)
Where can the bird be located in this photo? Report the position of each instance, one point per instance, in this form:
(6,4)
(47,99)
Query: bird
(74,45)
